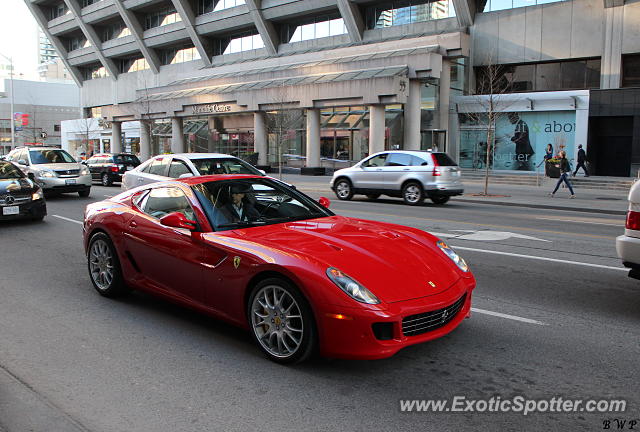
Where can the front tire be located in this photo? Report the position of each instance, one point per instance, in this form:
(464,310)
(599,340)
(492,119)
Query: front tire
(344,189)
(412,193)
(439,199)
(84,193)
(281,321)
(106,180)
(104,267)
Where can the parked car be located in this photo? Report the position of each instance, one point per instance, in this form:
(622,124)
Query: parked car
(166,167)
(53,169)
(20,197)
(628,244)
(412,175)
(263,256)
(110,167)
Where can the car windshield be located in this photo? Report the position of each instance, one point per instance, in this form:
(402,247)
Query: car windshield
(124,158)
(9,171)
(50,156)
(223,166)
(232,204)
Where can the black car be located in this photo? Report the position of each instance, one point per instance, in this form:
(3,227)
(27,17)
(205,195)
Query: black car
(109,167)
(20,198)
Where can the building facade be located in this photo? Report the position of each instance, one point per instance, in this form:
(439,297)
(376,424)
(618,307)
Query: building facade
(39,109)
(337,79)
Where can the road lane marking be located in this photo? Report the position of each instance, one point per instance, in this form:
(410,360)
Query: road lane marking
(540,258)
(608,222)
(507,316)
(108,196)
(67,219)
(486,235)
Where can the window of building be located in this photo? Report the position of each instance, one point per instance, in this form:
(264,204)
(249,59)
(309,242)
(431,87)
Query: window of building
(58,10)
(407,12)
(96,71)
(631,70)
(56,128)
(133,65)
(161,17)
(238,43)
(115,31)
(77,42)
(86,3)
(178,55)
(495,5)
(318,28)
(206,6)
(548,76)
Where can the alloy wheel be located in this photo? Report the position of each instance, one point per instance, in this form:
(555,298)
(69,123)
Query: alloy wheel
(277,321)
(101,264)
(412,194)
(343,190)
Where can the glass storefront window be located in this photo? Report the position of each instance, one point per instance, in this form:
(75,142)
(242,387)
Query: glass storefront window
(631,70)
(160,137)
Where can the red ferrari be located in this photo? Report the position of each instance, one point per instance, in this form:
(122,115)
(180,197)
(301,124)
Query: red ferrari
(262,255)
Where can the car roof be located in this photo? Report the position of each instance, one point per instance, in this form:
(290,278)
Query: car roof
(201,155)
(39,147)
(217,177)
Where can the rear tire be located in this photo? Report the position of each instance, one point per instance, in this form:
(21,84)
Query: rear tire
(412,193)
(281,321)
(344,189)
(439,199)
(106,180)
(104,267)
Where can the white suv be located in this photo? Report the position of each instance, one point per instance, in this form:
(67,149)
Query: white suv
(412,175)
(628,245)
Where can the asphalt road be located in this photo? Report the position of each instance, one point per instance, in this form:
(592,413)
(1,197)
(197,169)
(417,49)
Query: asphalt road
(555,315)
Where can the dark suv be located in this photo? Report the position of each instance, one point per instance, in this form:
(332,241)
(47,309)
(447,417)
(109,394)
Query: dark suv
(110,167)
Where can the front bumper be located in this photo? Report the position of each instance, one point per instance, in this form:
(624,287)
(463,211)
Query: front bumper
(64,184)
(27,210)
(354,337)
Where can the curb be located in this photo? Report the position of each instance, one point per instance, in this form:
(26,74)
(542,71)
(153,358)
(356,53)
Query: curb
(546,207)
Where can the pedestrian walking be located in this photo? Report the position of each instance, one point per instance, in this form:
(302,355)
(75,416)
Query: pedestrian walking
(582,158)
(564,175)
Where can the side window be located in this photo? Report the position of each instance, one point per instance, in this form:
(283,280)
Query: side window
(376,161)
(177,168)
(158,166)
(418,161)
(399,159)
(163,201)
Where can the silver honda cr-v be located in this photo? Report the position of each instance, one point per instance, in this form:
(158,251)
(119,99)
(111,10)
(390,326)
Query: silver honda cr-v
(412,175)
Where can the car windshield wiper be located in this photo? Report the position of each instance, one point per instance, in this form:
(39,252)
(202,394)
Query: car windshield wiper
(243,223)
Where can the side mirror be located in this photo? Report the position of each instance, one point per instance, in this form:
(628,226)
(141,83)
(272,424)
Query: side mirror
(185,175)
(324,202)
(263,172)
(178,220)
(83,162)
(23,162)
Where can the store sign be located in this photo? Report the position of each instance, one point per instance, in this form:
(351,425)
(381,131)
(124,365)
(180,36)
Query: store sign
(211,108)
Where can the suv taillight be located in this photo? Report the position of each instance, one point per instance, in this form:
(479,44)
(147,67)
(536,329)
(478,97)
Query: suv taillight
(633,220)
(436,171)
(115,169)
(436,166)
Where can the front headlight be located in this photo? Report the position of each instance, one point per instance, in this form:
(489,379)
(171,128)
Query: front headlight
(351,287)
(45,173)
(462,265)
(37,195)
(84,170)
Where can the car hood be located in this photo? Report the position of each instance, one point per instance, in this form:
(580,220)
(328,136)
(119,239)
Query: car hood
(16,186)
(58,166)
(396,263)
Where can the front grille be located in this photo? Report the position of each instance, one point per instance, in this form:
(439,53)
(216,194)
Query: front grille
(421,323)
(67,173)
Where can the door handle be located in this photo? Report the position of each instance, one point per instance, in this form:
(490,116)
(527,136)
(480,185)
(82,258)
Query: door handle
(406,169)
(133,224)
(140,179)
(378,169)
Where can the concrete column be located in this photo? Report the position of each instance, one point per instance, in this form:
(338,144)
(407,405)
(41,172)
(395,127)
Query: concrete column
(260,138)
(376,128)
(116,137)
(611,63)
(177,136)
(445,94)
(145,140)
(412,117)
(313,138)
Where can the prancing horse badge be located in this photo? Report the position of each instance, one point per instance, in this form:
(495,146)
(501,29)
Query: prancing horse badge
(236,262)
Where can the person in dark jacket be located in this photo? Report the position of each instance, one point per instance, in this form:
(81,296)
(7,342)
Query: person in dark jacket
(582,158)
(239,208)
(564,175)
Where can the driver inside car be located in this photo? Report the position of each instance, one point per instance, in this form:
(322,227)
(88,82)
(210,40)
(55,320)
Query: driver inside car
(239,208)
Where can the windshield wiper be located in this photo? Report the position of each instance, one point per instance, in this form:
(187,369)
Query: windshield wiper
(243,223)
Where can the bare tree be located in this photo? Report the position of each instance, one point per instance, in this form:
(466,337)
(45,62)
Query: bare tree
(493,82)
(281,121)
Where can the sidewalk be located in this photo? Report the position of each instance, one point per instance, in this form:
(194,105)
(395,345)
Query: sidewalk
(587,200)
